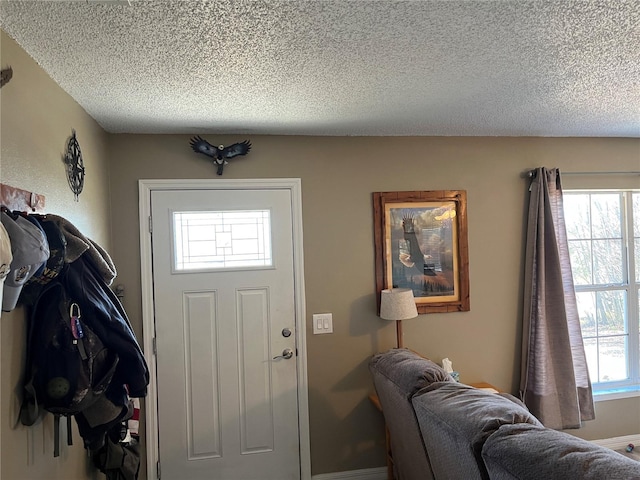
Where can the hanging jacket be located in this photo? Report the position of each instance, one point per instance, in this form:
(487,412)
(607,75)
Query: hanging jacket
(78,245)
(103,312)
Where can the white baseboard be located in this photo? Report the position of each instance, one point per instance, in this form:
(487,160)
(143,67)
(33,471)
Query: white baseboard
(364,474)
(618,442)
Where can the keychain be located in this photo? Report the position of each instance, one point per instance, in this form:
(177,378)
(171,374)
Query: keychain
(76,329)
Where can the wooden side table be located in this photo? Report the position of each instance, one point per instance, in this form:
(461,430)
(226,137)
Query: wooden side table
(389,458)
(485,386)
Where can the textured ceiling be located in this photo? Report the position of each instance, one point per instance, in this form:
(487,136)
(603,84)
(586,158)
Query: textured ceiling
(342,67)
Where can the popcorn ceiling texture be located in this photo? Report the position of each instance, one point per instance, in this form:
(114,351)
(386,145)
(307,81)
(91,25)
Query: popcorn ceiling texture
(342,67)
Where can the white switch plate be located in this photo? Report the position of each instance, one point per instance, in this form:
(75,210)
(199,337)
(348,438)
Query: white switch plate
(322,323)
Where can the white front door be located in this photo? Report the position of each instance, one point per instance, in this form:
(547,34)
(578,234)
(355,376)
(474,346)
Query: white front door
(225,325)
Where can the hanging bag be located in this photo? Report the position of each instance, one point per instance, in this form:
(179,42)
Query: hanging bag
(68,366)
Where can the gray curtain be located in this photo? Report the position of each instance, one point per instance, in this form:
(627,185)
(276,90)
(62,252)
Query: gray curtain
(554,382)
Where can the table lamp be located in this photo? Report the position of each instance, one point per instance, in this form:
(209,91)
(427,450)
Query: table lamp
(398,304)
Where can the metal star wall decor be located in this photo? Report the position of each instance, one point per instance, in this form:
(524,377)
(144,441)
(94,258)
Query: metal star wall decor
(75,166)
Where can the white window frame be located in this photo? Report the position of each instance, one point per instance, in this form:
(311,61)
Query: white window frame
(631,386)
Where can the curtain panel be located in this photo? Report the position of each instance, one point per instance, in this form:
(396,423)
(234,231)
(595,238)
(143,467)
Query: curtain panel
(554,381)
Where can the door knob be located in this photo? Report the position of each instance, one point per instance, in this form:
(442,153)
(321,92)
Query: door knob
(287,353)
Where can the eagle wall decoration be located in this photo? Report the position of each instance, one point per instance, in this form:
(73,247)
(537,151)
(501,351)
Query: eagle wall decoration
(5,76)
(220,154)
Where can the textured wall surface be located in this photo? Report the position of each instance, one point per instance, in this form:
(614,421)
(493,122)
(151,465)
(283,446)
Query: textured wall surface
(336,67)
(36,121)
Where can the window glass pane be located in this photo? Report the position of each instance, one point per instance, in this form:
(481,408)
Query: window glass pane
(605,216)
(580,255)
(607,261)
(600,245)
(636,215)
(637,257)
(636,232)
(587,312)
(611,312)
(576,208)
(222,239)
(591,352)
(612,359)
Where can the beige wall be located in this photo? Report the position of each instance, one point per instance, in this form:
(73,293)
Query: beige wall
(338,176)
(36,120)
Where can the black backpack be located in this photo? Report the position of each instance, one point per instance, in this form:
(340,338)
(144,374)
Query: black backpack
(68,368)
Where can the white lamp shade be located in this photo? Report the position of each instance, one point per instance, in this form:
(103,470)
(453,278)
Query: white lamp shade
(397,304)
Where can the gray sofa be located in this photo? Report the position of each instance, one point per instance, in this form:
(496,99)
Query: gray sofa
(441,429)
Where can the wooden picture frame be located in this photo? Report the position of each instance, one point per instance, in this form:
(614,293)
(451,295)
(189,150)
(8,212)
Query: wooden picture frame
(421,243)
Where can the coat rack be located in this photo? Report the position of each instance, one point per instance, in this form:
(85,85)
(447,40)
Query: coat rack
(15,198)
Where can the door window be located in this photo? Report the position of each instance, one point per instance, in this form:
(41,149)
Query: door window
(215,240)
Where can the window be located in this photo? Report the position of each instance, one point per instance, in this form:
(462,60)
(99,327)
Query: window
(222,239)
(603,232)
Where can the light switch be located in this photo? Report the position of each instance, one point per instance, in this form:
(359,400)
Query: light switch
(322,323)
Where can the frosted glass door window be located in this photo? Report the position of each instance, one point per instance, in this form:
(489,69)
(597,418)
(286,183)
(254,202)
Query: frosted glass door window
(222,239)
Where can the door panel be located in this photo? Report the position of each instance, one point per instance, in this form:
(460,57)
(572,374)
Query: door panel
(202,382)
(226,408)
(256,399)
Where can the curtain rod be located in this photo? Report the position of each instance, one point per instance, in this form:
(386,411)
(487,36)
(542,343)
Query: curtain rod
(531,173)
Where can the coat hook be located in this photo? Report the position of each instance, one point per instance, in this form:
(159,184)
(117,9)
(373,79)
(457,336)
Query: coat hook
(120,292)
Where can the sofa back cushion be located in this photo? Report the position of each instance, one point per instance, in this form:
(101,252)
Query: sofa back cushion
(528,452)
(397,375)
(455,421)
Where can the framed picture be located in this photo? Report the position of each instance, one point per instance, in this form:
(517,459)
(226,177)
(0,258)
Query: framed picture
(421,244)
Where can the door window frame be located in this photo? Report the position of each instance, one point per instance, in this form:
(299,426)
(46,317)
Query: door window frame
(145,187)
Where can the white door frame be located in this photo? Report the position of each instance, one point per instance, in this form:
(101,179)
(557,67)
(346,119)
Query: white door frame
(145,187)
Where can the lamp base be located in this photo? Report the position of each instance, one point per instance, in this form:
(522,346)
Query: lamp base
(399,337)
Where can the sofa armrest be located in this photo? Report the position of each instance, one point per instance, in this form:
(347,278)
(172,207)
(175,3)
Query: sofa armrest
(529,452)
(397,375)
(455,421)
(407,370)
